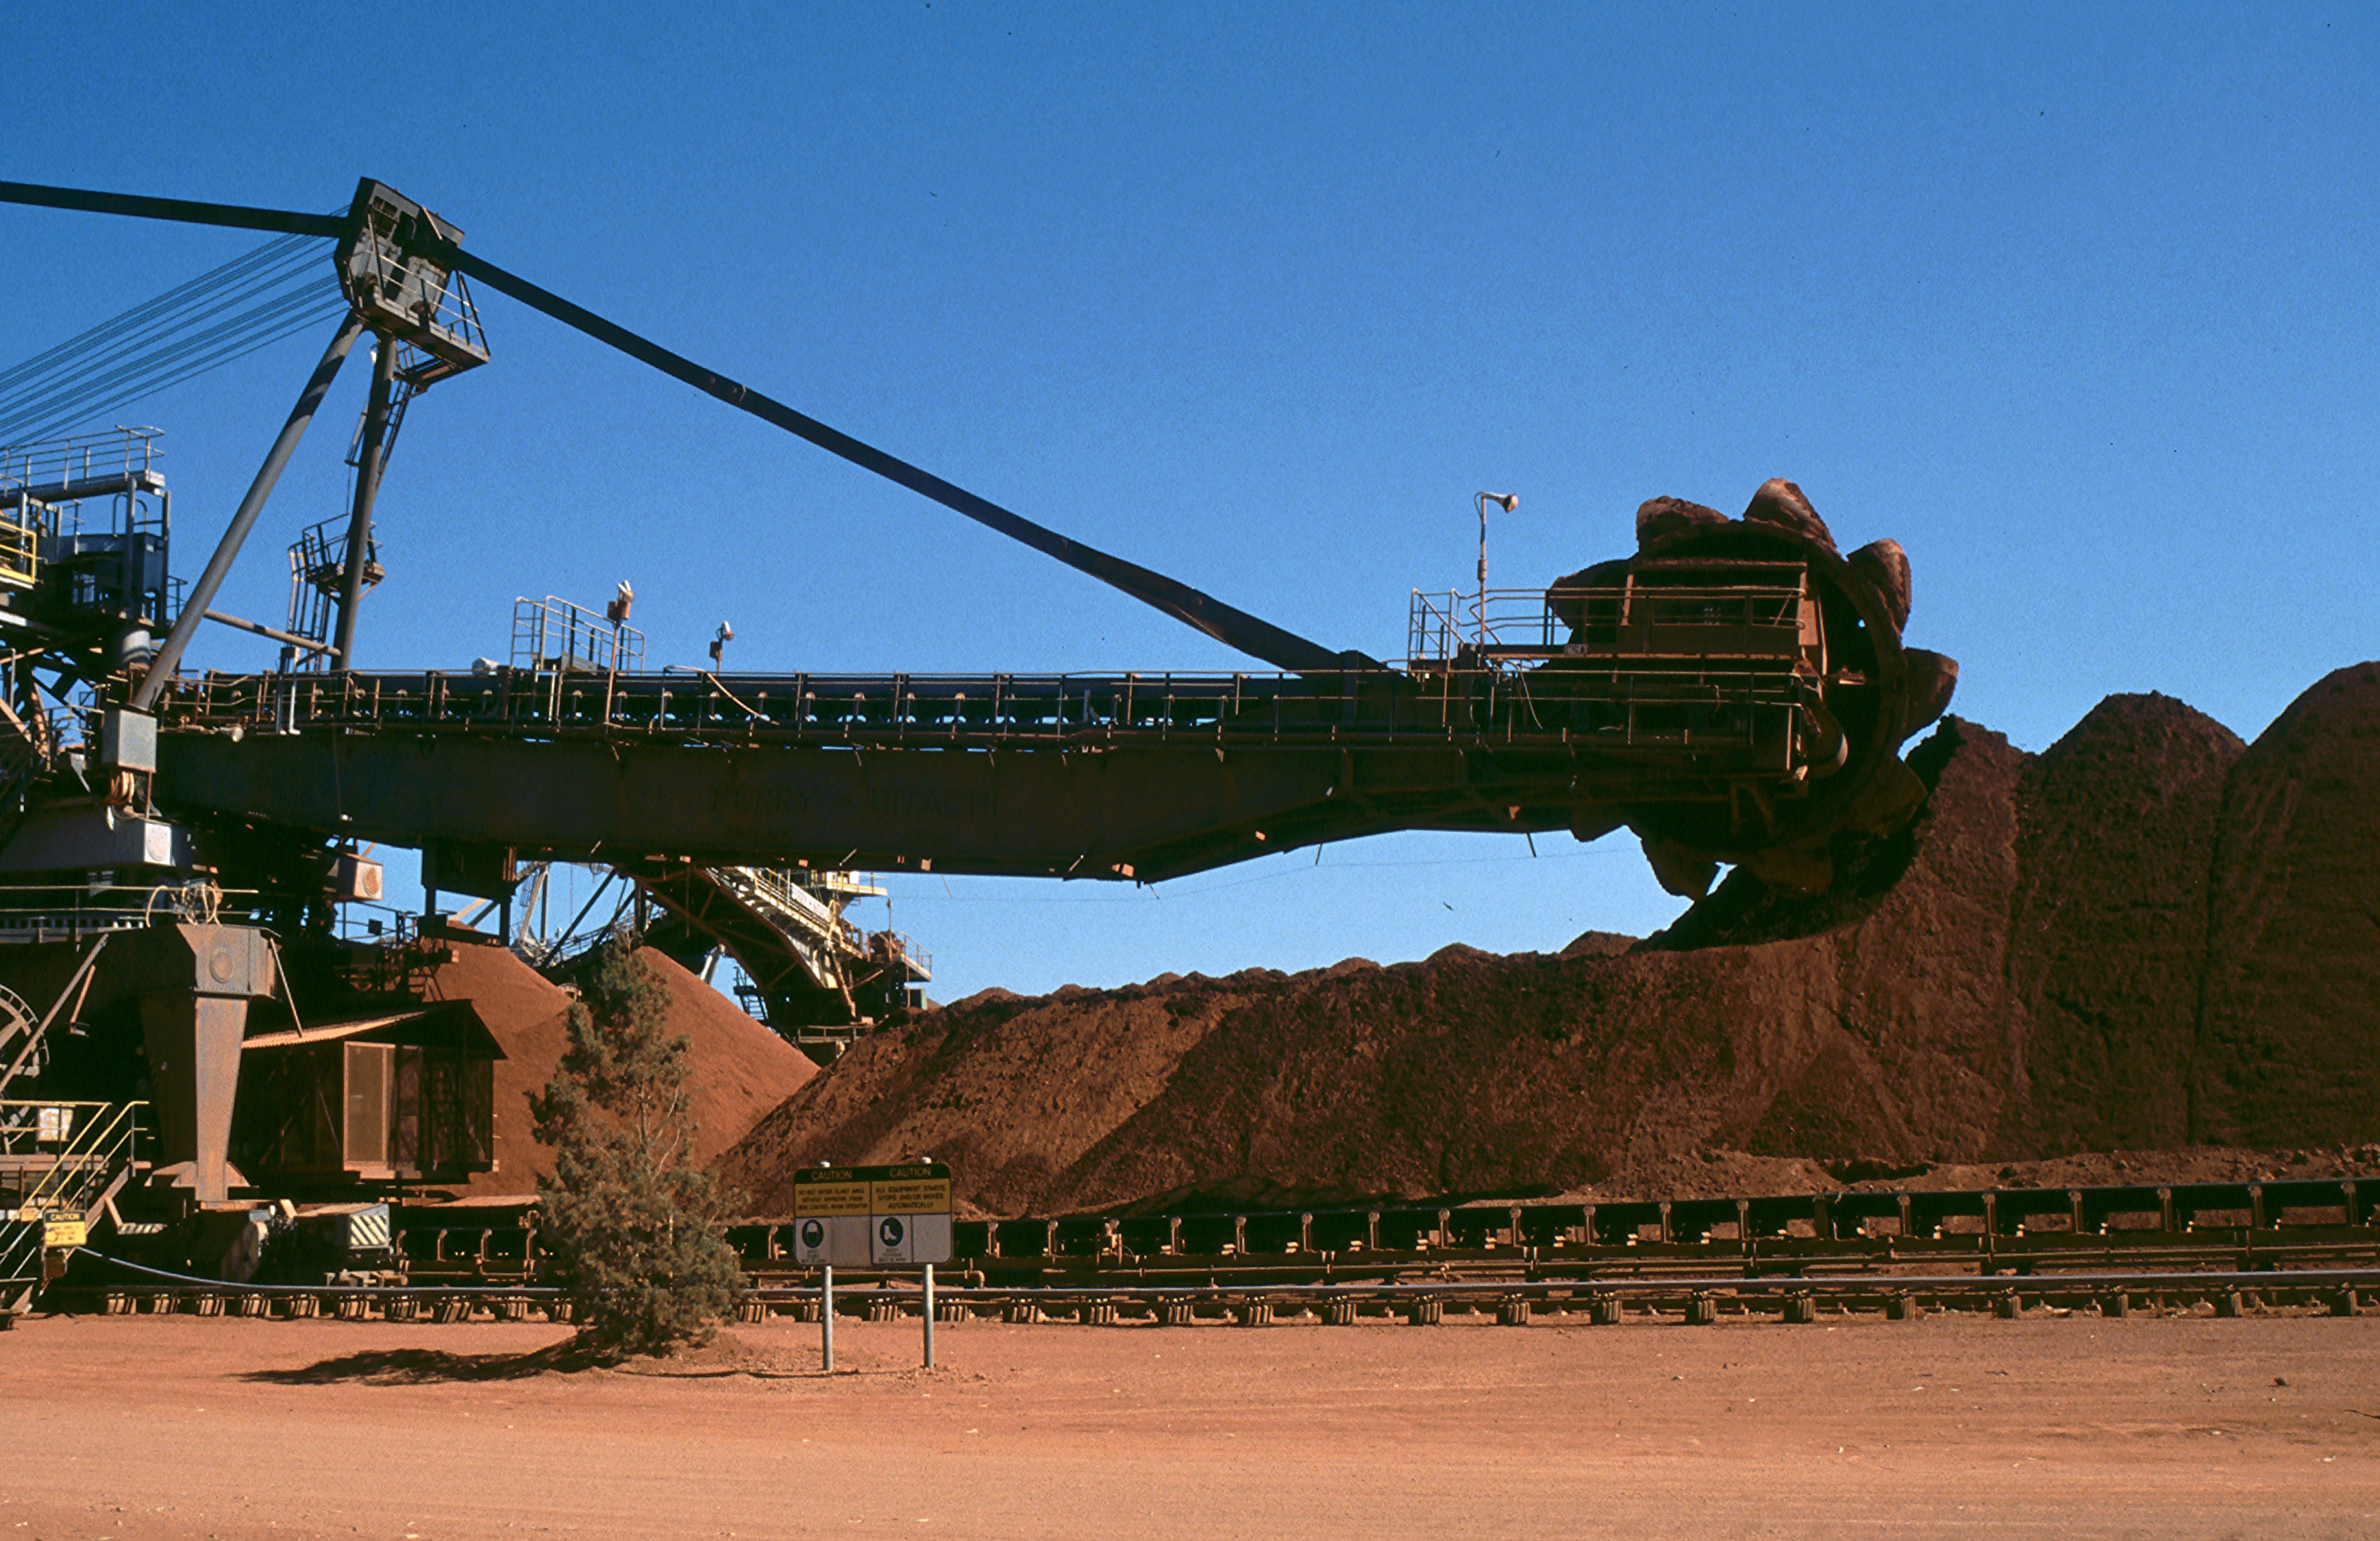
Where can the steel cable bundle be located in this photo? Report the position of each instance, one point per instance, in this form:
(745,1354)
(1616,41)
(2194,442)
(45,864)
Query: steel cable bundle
(284,286)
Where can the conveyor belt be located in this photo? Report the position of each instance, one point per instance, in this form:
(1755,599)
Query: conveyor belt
(1121,777)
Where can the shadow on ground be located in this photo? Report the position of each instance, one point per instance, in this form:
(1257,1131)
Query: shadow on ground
(716,1358)
(418,1367)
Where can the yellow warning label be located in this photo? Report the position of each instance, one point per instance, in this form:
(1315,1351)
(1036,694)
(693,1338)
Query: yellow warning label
(829,1193)
(915,1196)
(59,1232)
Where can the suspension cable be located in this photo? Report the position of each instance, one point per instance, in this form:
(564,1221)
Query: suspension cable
(254,300)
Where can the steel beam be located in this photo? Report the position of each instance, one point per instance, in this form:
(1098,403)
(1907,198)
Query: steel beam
(360,523)
(202,593)
(1139,813)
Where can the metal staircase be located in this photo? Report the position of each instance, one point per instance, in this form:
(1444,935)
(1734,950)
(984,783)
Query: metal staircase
(61,1165)
(814,977)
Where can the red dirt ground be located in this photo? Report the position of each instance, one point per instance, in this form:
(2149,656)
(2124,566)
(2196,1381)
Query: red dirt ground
(177,1428)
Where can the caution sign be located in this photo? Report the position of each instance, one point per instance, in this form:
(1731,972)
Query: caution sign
(910,1195)
(912,1210)
(64,1228)
(831,1191)
(831,1217)
(872,1216)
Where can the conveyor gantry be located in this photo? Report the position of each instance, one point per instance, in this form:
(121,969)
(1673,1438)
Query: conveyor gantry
(1127,776)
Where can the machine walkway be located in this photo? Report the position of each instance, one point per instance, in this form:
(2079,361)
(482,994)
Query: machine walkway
(62,1165)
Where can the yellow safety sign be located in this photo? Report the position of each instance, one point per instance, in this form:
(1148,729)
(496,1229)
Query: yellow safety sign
(64,1233)
(862,1217)
(914,1196)
(828,1191)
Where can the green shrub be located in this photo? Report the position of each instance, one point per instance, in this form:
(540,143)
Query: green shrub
(634,1227)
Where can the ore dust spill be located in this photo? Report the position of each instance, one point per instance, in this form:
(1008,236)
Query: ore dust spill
(2072,1427)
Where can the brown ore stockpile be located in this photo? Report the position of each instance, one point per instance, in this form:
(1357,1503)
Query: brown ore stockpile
(2148,936)
(740,1069)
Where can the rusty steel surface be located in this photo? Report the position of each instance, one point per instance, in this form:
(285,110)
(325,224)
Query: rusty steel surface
(1110,776)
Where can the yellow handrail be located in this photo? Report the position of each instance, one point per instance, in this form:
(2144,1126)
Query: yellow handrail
(18,552)
(118,1128)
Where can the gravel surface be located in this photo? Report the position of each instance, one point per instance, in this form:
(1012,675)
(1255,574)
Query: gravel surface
(178,1428)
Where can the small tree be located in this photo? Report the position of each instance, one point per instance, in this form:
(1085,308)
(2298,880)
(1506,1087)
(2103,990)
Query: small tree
(634,1226)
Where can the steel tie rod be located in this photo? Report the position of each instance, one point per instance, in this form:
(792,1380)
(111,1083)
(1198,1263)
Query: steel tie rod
(1226,624)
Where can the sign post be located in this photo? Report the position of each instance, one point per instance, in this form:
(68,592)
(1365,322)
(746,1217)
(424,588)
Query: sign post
(894,1217)
(830,1223)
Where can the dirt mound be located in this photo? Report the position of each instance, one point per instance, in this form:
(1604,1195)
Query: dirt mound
(2019,975)
(2292,983)
(741,1069)
(2108,933)
(1467,1071)
(1717,1173)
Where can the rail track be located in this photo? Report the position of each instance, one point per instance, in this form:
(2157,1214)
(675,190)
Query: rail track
(2246,1228)
(1704,1301)
(2222,1248)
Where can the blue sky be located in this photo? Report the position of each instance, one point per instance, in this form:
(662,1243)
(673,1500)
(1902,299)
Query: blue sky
(2077,303)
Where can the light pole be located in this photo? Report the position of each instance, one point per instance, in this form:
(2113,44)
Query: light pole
(1507,502)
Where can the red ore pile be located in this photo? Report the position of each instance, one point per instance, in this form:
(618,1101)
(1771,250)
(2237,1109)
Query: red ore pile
(740,1068)
(2146,937)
